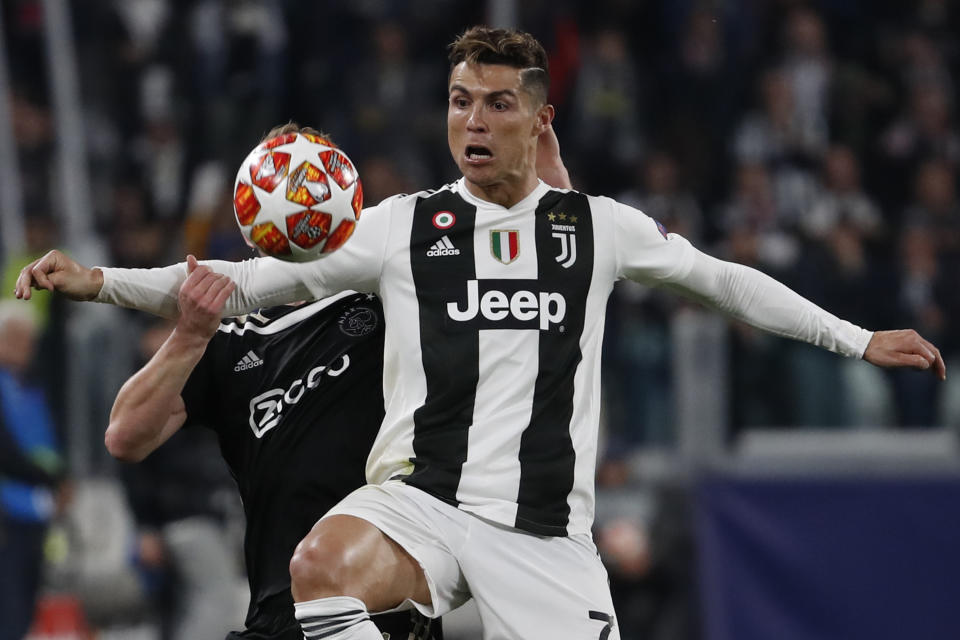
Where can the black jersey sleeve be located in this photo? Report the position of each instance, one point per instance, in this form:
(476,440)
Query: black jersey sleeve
(199,393)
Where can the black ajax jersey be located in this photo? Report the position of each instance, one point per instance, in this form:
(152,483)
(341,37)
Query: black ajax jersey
(294,394)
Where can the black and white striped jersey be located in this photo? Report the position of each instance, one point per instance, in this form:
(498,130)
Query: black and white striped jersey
(493,335)
(494,323)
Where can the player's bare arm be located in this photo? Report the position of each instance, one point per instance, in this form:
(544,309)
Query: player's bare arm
(905,348)
(148,409)
(56,271)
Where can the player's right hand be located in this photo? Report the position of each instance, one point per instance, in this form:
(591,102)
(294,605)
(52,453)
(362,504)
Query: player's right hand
(57,272)
(201,298)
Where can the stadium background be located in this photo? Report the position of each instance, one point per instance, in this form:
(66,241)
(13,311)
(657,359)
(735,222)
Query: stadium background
(749,487)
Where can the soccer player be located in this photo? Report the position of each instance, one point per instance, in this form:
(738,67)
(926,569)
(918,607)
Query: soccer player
(294,394)
(481,477)
(280,388)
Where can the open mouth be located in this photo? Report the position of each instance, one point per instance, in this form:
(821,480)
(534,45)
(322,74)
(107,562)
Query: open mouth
(476,153)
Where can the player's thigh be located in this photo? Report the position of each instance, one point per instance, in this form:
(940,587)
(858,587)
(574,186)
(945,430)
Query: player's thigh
(528,586)
(348,555)
(425,529)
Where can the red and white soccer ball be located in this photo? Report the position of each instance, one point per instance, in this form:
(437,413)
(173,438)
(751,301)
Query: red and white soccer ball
(297,197)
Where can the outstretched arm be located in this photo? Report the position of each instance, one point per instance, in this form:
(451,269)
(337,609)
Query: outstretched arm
(149,409)
(761,301)
(261,282)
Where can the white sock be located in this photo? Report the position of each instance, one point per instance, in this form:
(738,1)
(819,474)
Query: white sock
(338,618)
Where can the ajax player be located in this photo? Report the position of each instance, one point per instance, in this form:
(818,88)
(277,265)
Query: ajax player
(481,477)
(294,394)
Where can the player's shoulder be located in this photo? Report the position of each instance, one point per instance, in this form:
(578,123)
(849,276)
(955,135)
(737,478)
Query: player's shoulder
(277,319)
(598,204)
(401,200)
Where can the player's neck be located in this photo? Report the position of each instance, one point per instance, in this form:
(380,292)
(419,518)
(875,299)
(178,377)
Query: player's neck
(506,193)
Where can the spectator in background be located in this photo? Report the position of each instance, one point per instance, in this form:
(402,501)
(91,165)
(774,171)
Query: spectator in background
(927,129)
(606,111)
(33,134)
(644,535)
(923,64)
(390,110)
(134,236)
(664,199)
(159,150)
(841,264)
(31,471)
(929,252)
(842,200)
(637,341)
(786,142)
(923,288)
(936,207)
(808,67)
(702,82)
(754,235)
(752,223)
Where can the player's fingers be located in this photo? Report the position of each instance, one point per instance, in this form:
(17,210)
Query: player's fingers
(939,366)
(39,272)
(217,281)
(926,350)
(914,360)
(191,263)
(197,275)
(24,281)
(204,278)
(224,289)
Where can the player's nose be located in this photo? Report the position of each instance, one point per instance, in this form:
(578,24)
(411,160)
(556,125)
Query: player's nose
(475,121)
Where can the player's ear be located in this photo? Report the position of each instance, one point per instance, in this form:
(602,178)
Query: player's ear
(544,118)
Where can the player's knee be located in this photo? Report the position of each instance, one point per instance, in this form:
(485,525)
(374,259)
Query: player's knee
(315,570)
(321,567)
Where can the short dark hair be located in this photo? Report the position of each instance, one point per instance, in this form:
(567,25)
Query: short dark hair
(517,49)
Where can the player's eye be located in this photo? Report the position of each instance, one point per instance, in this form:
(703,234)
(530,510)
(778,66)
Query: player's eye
(459,101)
(499,106)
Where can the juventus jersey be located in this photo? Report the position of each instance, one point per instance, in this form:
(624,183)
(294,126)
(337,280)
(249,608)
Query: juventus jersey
(493,334)
(294,396)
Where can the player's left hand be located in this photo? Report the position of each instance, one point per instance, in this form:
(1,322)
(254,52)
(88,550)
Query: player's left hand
(202,297)
(904,348)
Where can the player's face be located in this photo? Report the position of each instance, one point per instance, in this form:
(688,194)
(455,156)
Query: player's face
(492,128)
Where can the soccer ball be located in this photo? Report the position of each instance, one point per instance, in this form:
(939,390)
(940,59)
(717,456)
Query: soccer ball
(297,197)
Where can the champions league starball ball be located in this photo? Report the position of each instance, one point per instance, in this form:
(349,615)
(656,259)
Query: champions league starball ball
(297,197)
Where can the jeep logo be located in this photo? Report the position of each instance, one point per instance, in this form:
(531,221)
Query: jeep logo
(515,308)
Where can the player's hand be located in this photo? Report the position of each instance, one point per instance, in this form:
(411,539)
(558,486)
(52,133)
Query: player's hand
(56,272)
(550,167)
(202,297)
(904,348)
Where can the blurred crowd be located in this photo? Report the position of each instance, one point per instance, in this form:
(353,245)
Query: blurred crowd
(817,141)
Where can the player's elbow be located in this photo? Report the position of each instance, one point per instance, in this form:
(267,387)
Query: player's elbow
(120,446)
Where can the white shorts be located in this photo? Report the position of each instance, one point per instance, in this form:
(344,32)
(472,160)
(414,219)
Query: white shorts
(525,586)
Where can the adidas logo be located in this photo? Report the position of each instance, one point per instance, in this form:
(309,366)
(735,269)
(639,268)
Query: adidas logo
(248,361)
(442,247)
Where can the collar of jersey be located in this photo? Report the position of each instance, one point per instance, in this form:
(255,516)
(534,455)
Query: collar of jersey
(534,196)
